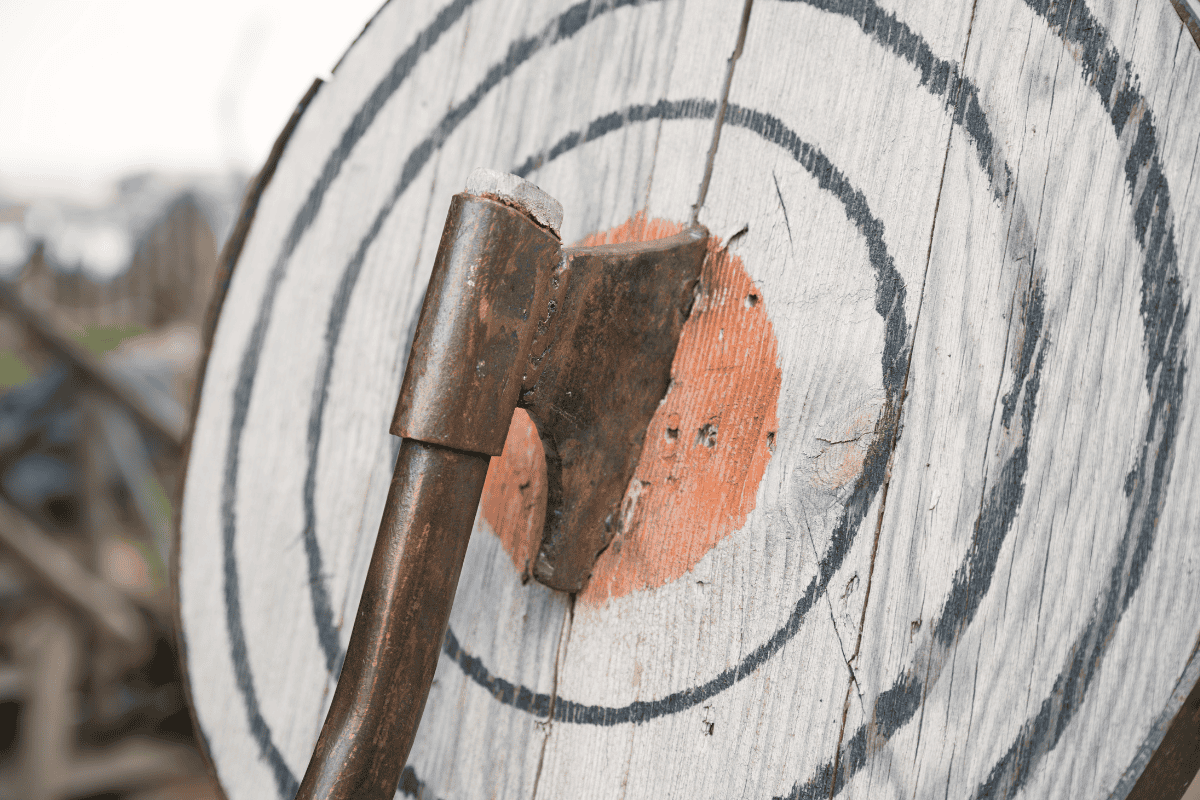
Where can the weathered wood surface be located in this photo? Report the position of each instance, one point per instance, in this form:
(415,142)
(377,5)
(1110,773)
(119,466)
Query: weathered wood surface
(916,517)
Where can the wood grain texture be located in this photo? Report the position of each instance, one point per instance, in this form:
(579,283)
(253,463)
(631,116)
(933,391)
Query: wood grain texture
(968,567)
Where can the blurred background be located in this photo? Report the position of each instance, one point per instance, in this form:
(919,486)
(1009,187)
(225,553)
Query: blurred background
(129,131)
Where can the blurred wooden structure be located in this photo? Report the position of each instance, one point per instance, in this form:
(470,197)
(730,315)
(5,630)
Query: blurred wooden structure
(90,699)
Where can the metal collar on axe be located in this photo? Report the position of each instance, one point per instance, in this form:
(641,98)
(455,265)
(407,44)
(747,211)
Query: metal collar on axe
(583,339)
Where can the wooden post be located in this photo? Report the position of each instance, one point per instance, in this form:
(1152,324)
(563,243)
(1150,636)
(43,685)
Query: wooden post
(54,565)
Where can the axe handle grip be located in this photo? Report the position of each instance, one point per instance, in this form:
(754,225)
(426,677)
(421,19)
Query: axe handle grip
(400,625)
(486,291)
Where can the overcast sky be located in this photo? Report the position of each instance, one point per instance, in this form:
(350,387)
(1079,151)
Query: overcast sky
(93,89)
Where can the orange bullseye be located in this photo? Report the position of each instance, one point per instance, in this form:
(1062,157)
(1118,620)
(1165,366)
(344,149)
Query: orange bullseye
(705,452)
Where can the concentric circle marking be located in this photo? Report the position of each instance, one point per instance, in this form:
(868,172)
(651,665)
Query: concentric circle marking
(889,304)
(1148,480)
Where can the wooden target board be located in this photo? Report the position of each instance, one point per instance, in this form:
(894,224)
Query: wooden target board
(916,517)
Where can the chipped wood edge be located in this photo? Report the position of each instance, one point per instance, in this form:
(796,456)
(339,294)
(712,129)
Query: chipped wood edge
(1189,19)
(1168,760)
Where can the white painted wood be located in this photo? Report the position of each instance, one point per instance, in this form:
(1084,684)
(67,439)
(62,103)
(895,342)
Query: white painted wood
(931,203)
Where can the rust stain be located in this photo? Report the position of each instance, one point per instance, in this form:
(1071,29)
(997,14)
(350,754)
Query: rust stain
(706,449)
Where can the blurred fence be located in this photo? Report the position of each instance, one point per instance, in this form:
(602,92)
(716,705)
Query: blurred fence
(97,379)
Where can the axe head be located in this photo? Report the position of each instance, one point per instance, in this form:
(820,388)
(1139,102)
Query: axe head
(599,368)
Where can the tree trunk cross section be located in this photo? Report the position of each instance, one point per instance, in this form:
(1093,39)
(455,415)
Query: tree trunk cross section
(962,237)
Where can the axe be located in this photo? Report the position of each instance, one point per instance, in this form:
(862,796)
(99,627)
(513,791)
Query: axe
(582,338)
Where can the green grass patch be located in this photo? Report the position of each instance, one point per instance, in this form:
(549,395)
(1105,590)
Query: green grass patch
(13,371)
(100,339)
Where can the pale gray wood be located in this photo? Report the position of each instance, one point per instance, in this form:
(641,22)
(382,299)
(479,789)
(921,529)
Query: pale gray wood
(58,569)
(286,671)
(780,721)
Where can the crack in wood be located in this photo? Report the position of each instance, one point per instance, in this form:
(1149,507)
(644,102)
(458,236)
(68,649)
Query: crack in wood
(783,206)
(564,639)
(833,783)
(720,118)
